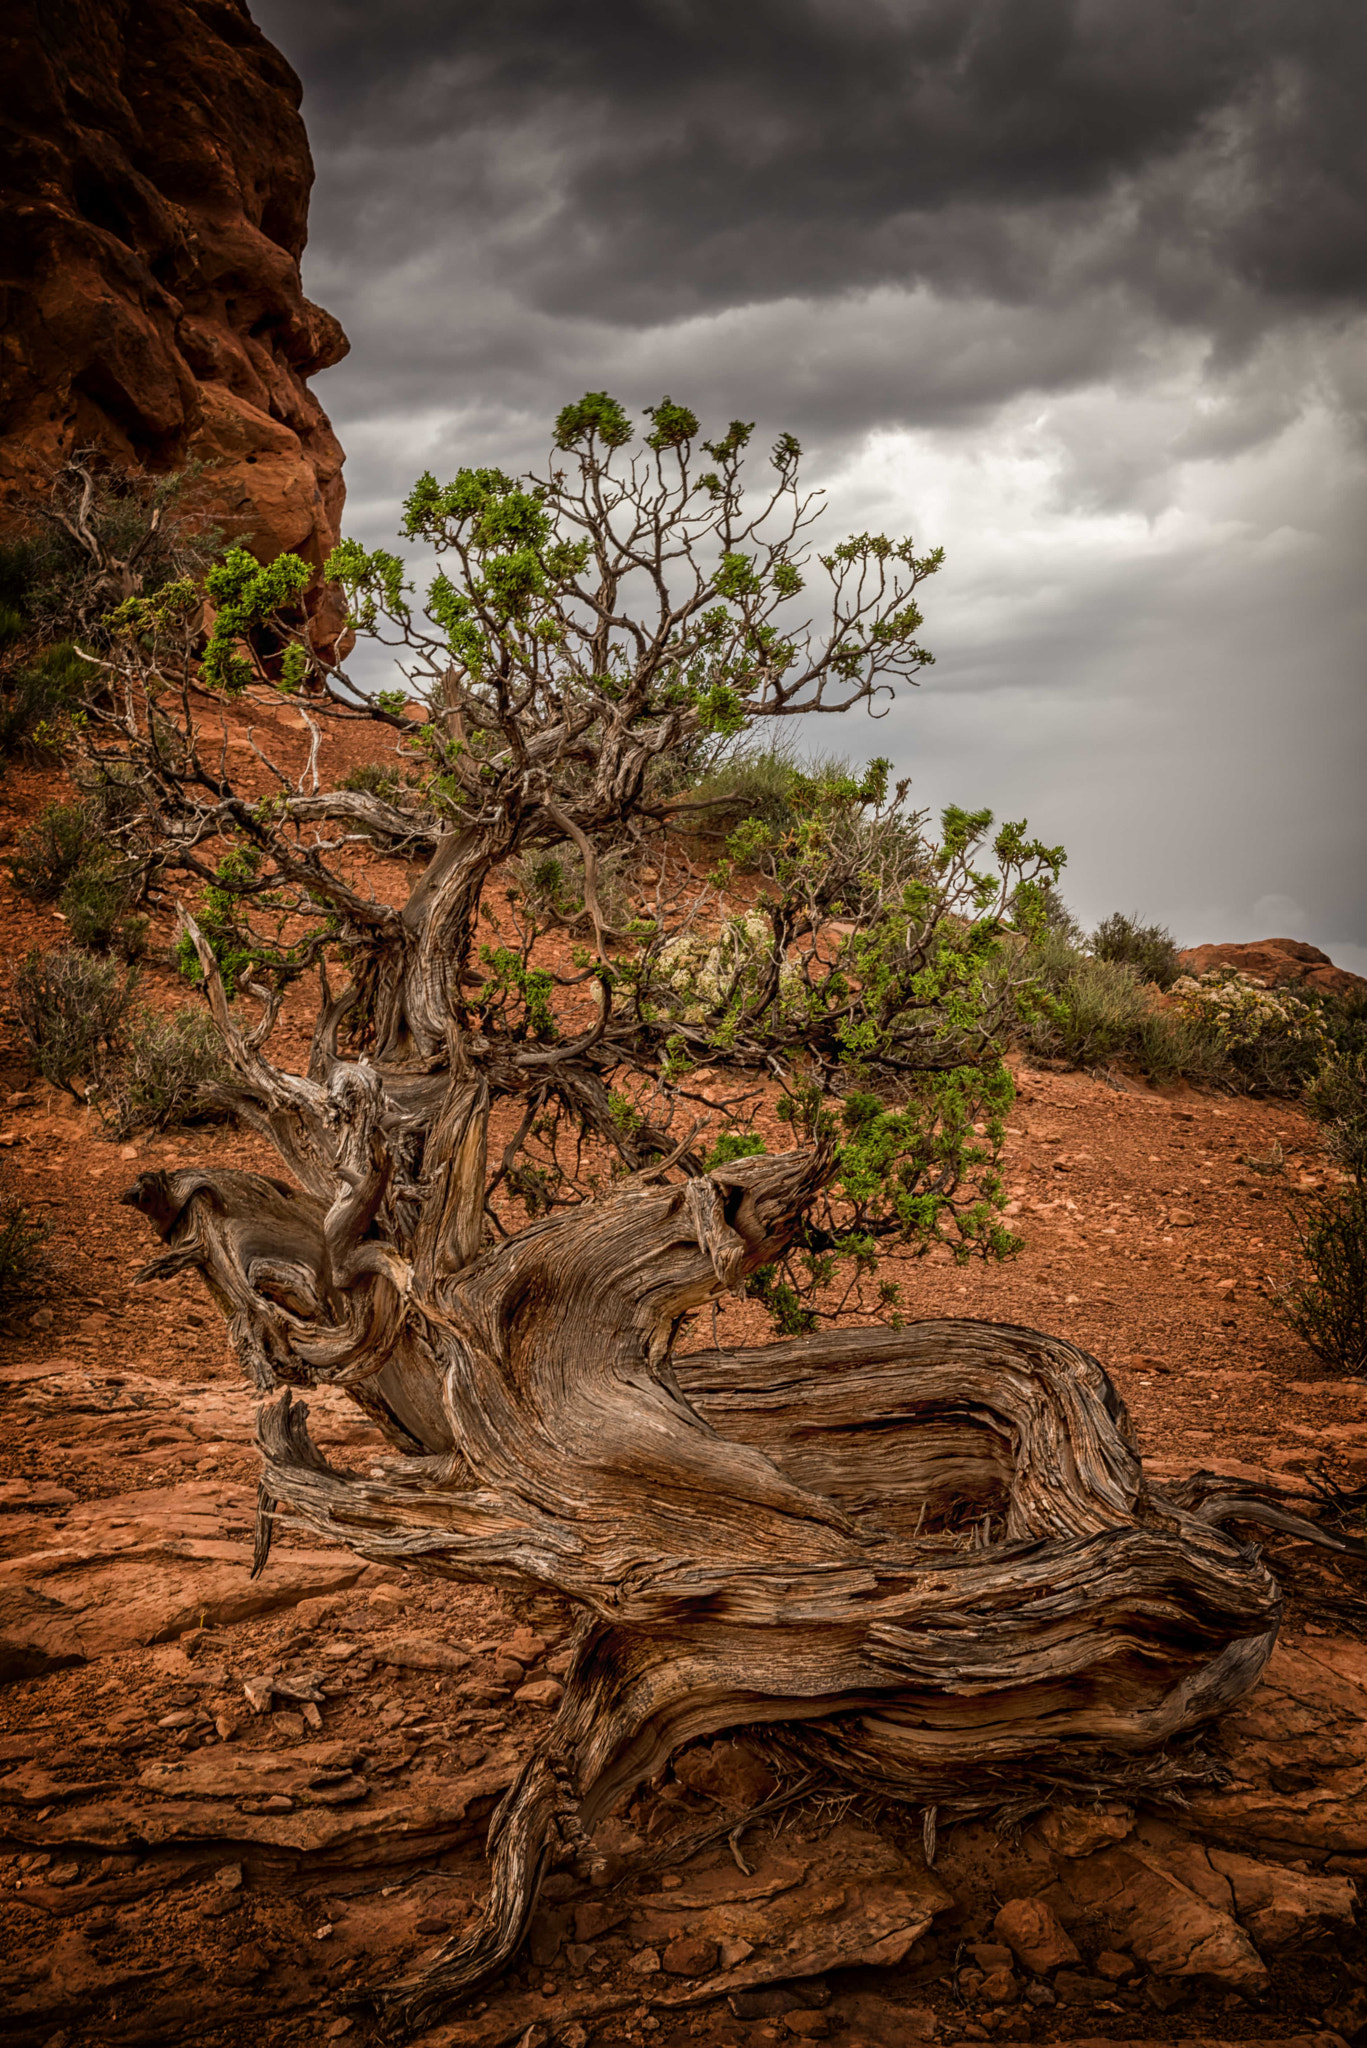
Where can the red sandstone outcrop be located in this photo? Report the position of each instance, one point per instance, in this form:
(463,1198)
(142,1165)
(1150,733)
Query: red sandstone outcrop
(1281,963)
(156,178)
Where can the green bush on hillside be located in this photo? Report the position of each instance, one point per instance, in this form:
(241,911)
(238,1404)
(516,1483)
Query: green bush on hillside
(1149,948)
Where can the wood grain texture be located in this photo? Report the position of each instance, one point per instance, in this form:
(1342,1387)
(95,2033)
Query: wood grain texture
(925,1561)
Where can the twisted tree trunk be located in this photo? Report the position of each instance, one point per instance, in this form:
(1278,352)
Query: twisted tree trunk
(927,1561)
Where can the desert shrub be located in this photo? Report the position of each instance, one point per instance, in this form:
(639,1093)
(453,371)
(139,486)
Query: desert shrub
(97,904)
(1272,1041)
(1170,1047)
(1149,948)
(1337,1099)
(738,781)
(373,778)
(1095,1008)
(71,1007)
(22,1237)
(551,882)
(37,694)
(1329,1308)
(162,1075)
(63,839)
(67,855)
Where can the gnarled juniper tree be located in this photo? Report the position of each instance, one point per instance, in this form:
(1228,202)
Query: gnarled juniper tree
(524,1157)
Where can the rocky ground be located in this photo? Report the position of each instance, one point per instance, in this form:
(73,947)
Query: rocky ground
(228,1804)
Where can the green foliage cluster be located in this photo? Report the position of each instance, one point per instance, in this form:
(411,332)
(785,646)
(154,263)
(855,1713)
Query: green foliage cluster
(140,1071)
(22,1237)
(72,1008)
(67,857)
(165,1074)
(1149,948)
(1327,1307)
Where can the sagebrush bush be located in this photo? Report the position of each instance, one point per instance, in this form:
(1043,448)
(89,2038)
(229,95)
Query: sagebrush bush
(97,904)
(745,781)
(373,778)
(71,1007)
(1337,1099)
(1096,1007)
(36,695)
(1170,1047)
(63,839)
(1328,1310)
(1149,948)
(22,1237)
(67,855)
(162,1074)
(552,882)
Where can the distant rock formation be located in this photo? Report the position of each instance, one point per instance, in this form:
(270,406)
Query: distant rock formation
(1280,963)
(156,176)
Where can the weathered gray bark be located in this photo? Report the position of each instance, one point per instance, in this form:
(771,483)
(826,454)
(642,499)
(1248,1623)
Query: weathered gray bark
(927,1560)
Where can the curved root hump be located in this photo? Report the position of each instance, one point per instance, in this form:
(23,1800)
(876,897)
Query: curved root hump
(927,1561)
(1011,1601)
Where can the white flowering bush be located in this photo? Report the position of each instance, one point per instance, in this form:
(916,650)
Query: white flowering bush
(1271,1038)
(700,972)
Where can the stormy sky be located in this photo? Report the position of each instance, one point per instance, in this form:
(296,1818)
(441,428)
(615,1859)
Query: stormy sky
(1076,288)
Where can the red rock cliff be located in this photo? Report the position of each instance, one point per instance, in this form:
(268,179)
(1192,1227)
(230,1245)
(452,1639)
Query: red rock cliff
(156,176)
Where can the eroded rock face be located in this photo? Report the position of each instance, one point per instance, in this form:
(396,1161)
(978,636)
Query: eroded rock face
(1281,963)
(156,182)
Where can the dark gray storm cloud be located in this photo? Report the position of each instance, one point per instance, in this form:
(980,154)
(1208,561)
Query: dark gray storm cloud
(643,161)
(1078,287)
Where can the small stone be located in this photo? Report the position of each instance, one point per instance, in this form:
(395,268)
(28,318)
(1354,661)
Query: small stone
(579,1955)
(1080,1830)
(312,1715)
(41,1319)
(64,1873)
(999,1987)
(433,1923)
(1077,1987)
(1034,1932)
(645,1963)
(1039,1994)
(993,1955)
(572,2036)
(184,1717)
(322,1933)
(1113,1966)
(277,1803)
(690,1955)
(340,2027)
(732,1950)
(525,1646)
(808,2026)
(593,1917)
(540,1692)
(1181,1219)
(258,1693)
(228,1876)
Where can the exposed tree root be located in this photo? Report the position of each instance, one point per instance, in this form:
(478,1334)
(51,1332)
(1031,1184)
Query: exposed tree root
(926,1562)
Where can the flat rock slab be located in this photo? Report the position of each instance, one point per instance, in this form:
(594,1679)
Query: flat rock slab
(1297,1750)
(859,1902)
(424,1817)
(1148,1910)
(144,1568)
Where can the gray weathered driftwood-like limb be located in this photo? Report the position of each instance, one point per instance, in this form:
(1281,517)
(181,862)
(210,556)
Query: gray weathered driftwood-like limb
(928,1560)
